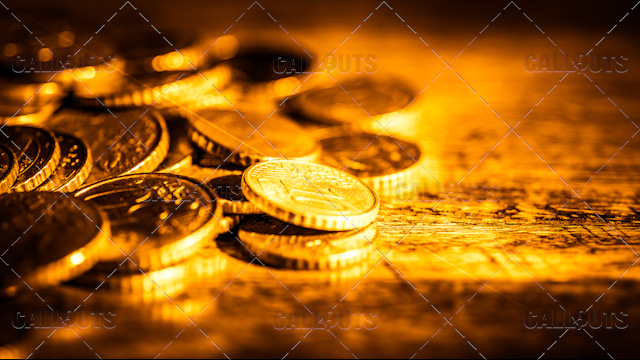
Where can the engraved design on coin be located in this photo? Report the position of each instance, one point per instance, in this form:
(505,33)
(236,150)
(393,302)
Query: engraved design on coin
(165,218)
(310,195)
(74,167)
(134,142)
(380,161)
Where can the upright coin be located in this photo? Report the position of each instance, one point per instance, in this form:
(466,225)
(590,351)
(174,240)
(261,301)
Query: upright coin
(229,191)
(284,245)
(353,102)
(310,195)
(121,142)
(380,161)
(248,138)
(49,238)
(157,219)
(38,155)
(9,168)
(74,167)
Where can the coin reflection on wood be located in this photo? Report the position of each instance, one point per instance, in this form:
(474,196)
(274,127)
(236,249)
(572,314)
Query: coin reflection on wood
(121,142)
(246,138)
(310,195)
(157,219)
(380,161)
(49,237)
(8,168)
(285,245)
(74,167)
(37,151)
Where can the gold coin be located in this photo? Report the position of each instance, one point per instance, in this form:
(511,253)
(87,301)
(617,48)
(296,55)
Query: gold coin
(8,168)
(285,245)
(229,191)
(248,138)
(38,155)
(49,238)
(120,142)
(158,219)
(353,102)
(310,195)
(380,161)
(73,168)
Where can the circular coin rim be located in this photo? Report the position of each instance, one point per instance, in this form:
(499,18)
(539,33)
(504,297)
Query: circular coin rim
(238,156)
(78,176)
(172,253)
(384,184)
(43,173)
(320,222)
(271,255)
(8,178)
(321,114)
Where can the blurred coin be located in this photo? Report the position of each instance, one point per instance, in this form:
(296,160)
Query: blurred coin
(120,142)
(157,219)
(180,154)
(285,245)
(9,168)
(73,168)
(353,102)
(310,195)
(229,191)
(248,138)
(149,51)
(380,161)
(168,89)
(37,151)
(19,115)
(49,237)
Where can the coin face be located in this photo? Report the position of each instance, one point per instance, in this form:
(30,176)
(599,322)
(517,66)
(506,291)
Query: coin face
(249,138)
(129,141)
(37,151)
(8,168)
(158,219)
(49,238)
(74,166)
(353,101)
(285,245)
(310,195)
(229,191)
(378,160)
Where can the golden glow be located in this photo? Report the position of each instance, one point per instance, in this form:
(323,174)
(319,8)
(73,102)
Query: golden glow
(9,49)
(45,54)
(286,86)
(77,258)
(226,47)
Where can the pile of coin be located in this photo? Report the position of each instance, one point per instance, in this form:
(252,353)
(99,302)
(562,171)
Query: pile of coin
(130,180)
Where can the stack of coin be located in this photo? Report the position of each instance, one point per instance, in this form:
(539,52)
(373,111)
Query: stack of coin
(168,158)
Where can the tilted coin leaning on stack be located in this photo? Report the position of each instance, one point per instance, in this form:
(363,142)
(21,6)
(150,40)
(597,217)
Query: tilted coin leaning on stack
(145,186)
